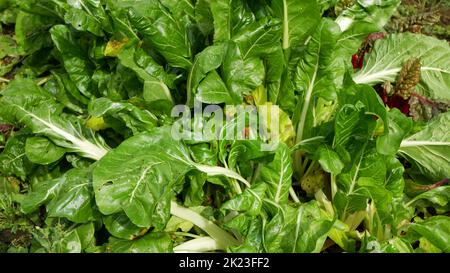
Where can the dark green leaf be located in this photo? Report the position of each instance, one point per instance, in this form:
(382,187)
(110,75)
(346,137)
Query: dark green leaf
(150,243)
(436,230)
(121,227)
(75,59)
(42,151)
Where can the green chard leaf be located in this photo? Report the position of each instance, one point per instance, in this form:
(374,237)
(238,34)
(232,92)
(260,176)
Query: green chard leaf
(76,61)
(168,35)
(136,119)
(156,81)
(300,18)
(435,229)
(205,62)
(69,196)
(439,196)
(399,127)
(250,201)
(229,17)
(120,226)
(32,31)
(314,78)
(375,12)
(277,175)
(40,150)
(297,230)
(429,148)
(83,21)
(24,103)
(13,159)
(153,242)
(389,54)
(88,15)
(142,188)
(347,45)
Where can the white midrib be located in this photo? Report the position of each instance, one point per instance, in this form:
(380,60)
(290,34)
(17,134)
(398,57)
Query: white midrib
(415,143)
(355,176)
(189,81)
(255,195)
(189,4)
(253,45)
(51,190)
(15,158)
(280,181)
(138,183)
(285,26)
(352,186)
(214,171)
(305,107)
(198,245)
(222,237)
(91,150)
(141,178)
(367,78)
(297,228)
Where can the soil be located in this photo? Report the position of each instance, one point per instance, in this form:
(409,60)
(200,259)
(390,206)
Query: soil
(20,237)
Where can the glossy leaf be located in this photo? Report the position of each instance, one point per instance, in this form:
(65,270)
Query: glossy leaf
(329,160)
(69,196)
(121,227)
(36,108)
(300,18)
(157,81)
(439,196)
(277,175)
(436,230)
(162,31)
(399,127)
(313,76)
(299,230)
(83,21)
(142,188)
(250,201)
(206,61)
(13,159)
(32,31)
(42,151)
(75,59)
(150,243)
(384,63)
(428,149)
(136,119)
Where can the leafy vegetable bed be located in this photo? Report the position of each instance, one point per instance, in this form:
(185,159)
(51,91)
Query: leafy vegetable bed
(359,160)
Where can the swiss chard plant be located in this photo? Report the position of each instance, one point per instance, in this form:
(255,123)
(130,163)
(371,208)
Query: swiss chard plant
(351,152)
